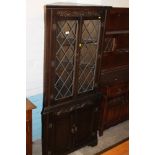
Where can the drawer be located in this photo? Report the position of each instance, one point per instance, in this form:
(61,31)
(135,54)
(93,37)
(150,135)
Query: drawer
(116,75)
(117,90)
(118,19)
(114,59)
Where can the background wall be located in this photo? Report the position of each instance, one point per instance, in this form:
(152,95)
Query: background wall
(35,49)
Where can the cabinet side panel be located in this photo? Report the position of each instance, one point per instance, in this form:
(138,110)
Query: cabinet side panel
(47,19)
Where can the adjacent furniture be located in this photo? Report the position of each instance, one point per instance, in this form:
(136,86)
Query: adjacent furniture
(29,107)
(114,82)
(115,105)
(74,36)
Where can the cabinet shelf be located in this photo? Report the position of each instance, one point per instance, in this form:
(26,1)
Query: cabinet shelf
(121,50)
(117,32)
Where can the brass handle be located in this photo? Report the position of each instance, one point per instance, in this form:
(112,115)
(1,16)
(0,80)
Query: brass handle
(80,45)
(99,17)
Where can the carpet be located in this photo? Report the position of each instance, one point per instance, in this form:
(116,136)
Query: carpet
(110,137)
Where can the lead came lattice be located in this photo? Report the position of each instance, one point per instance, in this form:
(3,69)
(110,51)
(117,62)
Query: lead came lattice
(88,55)
(65,63)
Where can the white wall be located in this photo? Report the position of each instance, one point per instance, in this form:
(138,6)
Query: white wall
(35,38)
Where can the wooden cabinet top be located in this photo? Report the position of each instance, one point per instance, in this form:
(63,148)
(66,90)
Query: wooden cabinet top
(64,4)
(29,105)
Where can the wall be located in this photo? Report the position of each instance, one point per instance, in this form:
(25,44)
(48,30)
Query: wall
(35,49)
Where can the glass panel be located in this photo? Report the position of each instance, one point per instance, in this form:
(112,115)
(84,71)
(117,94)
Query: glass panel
(110,44)
(88,55)
(66,36)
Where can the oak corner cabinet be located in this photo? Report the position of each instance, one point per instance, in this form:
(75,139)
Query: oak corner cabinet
(74,36)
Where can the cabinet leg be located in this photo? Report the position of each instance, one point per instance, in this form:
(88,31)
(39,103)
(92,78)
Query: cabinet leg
(93,143)
(100,133)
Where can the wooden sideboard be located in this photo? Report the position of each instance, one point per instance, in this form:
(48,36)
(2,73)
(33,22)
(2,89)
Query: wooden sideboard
(115,105)
(114,80)
(29,107)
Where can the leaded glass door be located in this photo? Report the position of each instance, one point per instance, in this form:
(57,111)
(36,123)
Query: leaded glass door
(88,55)
(69,44)
(66,40)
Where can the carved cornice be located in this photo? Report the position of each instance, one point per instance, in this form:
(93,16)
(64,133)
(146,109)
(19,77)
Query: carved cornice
(75,13)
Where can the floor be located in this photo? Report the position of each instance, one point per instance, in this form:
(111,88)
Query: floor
(110,137)
(121,149)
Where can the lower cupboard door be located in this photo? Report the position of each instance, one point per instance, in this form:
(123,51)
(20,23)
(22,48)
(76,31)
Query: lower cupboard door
(60,140)
(86,125)
(113,114)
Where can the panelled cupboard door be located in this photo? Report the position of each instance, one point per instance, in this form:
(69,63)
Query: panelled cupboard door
(60,133)
(125,107)
(117,109)
(85,125)
(113,112)
(70,130)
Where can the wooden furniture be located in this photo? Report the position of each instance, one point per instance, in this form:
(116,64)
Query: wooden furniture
(74,36)
(115,105)
(29,107)
(114,81)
